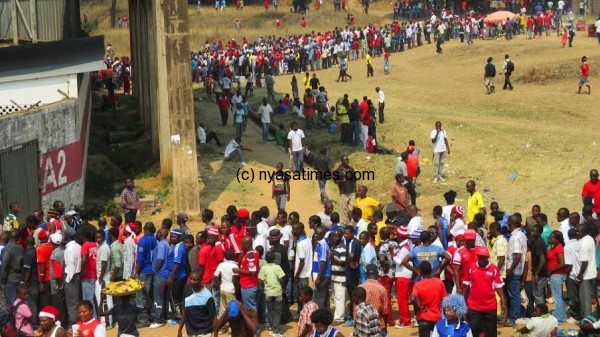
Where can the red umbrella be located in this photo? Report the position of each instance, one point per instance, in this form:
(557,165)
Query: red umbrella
(499,16)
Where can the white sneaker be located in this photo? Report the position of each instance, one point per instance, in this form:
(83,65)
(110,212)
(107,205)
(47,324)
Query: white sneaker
(243,163)
(156,325)
(572,320)
(435,180)
(441,179)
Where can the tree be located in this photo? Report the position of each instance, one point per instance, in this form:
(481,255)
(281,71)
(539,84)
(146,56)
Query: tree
(113,14)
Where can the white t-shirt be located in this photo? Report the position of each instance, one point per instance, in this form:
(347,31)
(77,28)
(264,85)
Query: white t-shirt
(416,223)
(541,327)
(561,4)
(286,235)
(440,144)
(381,96)
(265,113)
(231,147)
(201,135)
(304,252)
(325,219)
(564,228)
(296,138)
(225,270)
(446,211)
(459,225)
(587,252)
(572,257)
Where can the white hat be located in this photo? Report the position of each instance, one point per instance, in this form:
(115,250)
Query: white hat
(56,238)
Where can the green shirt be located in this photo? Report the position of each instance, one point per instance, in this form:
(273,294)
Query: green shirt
(546,235)
(280,137)
(116,258)
(270,274)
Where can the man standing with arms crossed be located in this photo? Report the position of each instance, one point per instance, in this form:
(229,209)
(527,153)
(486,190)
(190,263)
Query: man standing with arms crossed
(439,139)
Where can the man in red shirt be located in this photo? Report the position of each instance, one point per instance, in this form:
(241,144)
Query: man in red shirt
(427,298)
(248,273)
(43,252)
(481,282)
(463,259)
(223,103)
(238,229)
(592,189)
(585,72)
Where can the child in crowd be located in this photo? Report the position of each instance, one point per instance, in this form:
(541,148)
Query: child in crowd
(280,136)
(306,306)
(22,312)
(124,313)
(271,277)
(322,319)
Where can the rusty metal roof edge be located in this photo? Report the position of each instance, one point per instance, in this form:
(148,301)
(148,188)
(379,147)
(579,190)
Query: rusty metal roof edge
(47,59)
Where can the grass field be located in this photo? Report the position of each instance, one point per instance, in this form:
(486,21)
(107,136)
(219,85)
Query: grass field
(535,144)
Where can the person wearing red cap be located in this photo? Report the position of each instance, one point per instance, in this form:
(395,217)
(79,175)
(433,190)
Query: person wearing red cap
(403,276)
(457,223)
(238,229)
(482,283)
(43,252)
(48,328)
(463,259)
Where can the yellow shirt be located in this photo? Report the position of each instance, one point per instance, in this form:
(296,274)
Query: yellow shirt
(367,205)
(307,82)
(381,224)
(368,59)
(474,203)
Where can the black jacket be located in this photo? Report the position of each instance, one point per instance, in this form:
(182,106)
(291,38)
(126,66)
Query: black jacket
(490,70)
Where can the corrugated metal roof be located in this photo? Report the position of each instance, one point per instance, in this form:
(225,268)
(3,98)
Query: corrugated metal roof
(46,59)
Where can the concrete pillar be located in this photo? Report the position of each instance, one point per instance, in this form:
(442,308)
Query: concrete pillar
(164,127)
(181,106)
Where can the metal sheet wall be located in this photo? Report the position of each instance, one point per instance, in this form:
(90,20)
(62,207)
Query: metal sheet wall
(55,19)
(19,179)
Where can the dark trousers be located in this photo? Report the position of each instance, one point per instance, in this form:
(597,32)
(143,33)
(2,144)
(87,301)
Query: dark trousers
(369,70)
(573,295)
(73,298)
(321,295)
(426,328)
(224,117)
(44,297)
(381,115)
(483,322)
(175,297)
(438,45)
(350,288)
(507,83)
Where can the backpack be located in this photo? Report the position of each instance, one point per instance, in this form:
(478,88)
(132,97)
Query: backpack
(510,67)
(8,323)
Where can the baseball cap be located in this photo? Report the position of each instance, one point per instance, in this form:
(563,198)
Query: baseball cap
(182,215)
(482,251)
(243,213)
(401,232)
(372,269)
(470,234)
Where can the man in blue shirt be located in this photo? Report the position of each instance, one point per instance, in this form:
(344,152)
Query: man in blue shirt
(161,274)
(144,272)
(199,312)
(176,260)
(321,269)
(429,253)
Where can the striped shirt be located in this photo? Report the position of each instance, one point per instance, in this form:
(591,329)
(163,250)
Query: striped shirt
(377,296)
(338,273)
(366,321)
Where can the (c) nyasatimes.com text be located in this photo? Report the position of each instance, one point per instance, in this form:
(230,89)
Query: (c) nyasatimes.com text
(269,176)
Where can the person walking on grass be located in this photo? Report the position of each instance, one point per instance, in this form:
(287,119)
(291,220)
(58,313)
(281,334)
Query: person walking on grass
(441,148)
(585,72)
(508,67)
(488,76)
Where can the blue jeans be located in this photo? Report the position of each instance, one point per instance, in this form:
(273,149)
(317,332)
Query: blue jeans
(236,153)
(265,134)
(88,292)
(298,160)
(357,132)
(249,297)
(140,298)
(322,189)
(556,285)
(514,294)
(239,128)
(159,300)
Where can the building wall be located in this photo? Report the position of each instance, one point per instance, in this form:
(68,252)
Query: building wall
(61,130)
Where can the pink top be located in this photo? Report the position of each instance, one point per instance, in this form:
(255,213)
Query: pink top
(22,314)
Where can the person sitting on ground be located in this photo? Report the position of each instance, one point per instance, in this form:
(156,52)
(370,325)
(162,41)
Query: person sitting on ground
(204,136)
(281,108)
(542,325)
(234,150)
(242,320)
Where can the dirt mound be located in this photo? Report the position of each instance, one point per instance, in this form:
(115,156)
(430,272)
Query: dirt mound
(545,73)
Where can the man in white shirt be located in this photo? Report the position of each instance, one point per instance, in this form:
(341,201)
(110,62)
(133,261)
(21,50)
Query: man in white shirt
(265,111)
(584,281)
(234,149)
(204,136)
(72,275)
(517,251)
(296,144)
(325,214)
(439,139)
(381,100)
(224,277)
(416,221)
(562,216)
(304,256)
(561,5)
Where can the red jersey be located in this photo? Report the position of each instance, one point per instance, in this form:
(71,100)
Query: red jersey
(592,189)
(464,258)
(216,256)
(203,257)
(585,71)
(250,263)
(88,328)
(430,292)
(483,283)
(43,253)
(89,249)
(238,234)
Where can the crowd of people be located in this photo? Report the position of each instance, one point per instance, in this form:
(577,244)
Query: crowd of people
(466,270)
